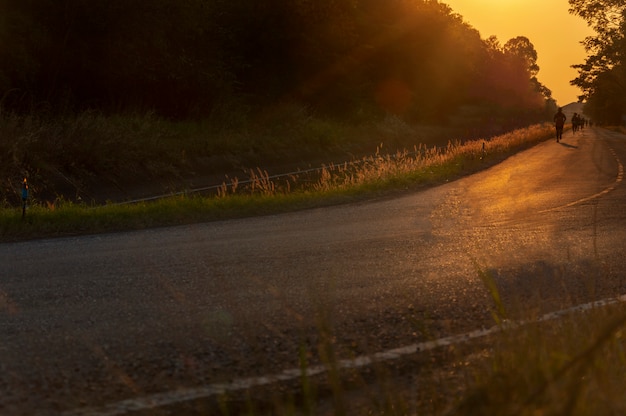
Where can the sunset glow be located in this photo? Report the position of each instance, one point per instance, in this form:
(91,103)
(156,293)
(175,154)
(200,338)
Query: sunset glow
(554,32)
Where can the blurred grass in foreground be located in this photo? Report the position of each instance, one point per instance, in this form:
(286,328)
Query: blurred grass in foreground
(572,365)
(575,365)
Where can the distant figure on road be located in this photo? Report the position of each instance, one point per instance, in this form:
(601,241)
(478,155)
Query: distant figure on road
(559,122)
(575,123)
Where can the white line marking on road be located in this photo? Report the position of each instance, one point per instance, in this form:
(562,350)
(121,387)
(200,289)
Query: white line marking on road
(183,395)
(619,178)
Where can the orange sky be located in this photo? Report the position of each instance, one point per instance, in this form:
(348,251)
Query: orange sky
(555,33)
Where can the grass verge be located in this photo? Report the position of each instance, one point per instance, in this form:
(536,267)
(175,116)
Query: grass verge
(376,175)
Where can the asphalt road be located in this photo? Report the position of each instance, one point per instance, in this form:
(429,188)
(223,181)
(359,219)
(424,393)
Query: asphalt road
(89,321)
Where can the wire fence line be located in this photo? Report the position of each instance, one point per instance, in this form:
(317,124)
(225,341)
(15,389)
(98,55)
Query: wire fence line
(317,170)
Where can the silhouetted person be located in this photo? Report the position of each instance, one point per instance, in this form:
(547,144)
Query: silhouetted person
(559,122)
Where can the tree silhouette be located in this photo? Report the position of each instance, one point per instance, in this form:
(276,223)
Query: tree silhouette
(602,78)
(415,59)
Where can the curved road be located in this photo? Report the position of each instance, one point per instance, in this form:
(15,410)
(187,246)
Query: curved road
(89,321)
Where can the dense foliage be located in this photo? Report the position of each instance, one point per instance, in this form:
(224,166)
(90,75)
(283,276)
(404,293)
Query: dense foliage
(602,78)
(195,58)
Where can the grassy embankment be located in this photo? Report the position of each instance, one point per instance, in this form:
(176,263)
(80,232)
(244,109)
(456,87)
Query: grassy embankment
(83,151)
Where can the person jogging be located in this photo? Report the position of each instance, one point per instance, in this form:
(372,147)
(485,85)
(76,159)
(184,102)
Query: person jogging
(559,122)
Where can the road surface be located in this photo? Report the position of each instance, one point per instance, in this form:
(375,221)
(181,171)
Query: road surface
(89,321)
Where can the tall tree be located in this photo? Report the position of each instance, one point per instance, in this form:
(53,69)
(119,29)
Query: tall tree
(602,77)
(522,48)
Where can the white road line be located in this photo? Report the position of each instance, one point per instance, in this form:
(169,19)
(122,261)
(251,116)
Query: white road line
(204,392)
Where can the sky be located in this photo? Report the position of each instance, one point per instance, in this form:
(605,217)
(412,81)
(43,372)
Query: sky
(554,32)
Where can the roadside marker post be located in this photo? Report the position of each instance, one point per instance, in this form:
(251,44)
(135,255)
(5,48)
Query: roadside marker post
(24,197)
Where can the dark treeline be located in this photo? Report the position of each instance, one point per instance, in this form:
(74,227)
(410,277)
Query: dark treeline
(602,78)
(186,58)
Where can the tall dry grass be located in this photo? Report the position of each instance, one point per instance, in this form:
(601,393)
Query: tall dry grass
(402,168)
(69,154)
